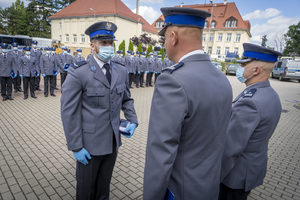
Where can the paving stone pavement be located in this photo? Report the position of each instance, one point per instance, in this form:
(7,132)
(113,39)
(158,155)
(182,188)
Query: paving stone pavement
(35,163)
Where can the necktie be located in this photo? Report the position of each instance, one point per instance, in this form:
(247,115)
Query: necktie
(108,75)
(5,56)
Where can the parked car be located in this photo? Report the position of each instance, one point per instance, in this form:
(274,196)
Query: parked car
(231,56)
(217,65)
(286,70)
(231,68)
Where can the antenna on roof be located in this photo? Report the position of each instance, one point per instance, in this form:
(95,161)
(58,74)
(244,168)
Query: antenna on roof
(225,2)
(137,6)
(182,3)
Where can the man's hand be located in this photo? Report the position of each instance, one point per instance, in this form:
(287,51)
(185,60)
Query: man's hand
(81,156)
(131,128)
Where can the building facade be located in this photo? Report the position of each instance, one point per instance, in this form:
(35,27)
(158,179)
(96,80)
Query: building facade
(225,31)
(69,24)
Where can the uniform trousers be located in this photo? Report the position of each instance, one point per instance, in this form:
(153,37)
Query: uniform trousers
(156,75)
(6,87)
(93,179)
(47,79)
(227,193)
(17,82)
(37,81)
(131,78)
(31,82)
(141,79)
(63,76)
(149,79)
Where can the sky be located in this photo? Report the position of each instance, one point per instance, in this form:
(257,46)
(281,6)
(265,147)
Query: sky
(267,17)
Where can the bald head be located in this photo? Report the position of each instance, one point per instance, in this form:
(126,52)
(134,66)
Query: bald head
(182,40)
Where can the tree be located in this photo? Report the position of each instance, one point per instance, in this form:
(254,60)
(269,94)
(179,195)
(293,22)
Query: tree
(292,38)
(144,39)
(162,53)
(122,47)
(130,47)
(264,40)
(140,49)
(150,49)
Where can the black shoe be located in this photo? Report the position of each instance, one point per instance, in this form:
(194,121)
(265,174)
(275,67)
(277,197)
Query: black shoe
(33,97)
(38,89)
(20,90)
(56,88)
(53,95)
(131,87)
(4,99)
(25,97)
(46,95)
(16,91)
(10,98)
(142,86)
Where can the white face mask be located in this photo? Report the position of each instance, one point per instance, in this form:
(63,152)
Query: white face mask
(80,54)
(15,48)
(53,52)
(34,46)
(106,52)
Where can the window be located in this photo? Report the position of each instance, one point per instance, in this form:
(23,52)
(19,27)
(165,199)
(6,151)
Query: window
(205,24)
(159,24)
(233,23)
(203,37)
(236,50)
(60,38)
(227,24)
(228,37)
(74,38)
(213,24)
(226,50)
(211,37)
(60,25)
(238,38)
(67,37)
(220,37)
(209,50)
(218,50)
(82,38)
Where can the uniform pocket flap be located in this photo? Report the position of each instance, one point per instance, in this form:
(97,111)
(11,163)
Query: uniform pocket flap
(120,88)
(95,92)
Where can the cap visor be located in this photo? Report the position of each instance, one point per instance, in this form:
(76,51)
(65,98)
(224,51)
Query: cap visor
(162,31)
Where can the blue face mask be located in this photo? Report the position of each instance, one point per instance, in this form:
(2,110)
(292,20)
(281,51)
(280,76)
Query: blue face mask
(28,53)
(240,74)
(15,48)
(5,50)
(53,52)
(80,54)
(106,53)
(47,52)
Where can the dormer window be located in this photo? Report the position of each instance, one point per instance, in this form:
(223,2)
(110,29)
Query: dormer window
(213,24)
(205,24)
(231,23)
(159,23)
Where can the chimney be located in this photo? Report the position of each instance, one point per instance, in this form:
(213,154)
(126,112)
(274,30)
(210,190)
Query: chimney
(137,6)
(182,3)
(225,2)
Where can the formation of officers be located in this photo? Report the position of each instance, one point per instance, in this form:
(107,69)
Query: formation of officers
(32,63)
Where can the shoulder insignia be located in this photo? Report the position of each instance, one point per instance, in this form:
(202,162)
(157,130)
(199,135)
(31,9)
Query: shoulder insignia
(93,68)
(174,67)
(117,62)
(79,64)
(250,92)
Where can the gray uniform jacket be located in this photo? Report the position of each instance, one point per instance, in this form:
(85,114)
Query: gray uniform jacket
(159,65)
(37,54)
(255,114)
(28,67)
(190,112)
(64,59)
(16,55)
(6,64)
(48,64)
(90,107)
(130,64)
(78,59)
(152,64)
(119,59)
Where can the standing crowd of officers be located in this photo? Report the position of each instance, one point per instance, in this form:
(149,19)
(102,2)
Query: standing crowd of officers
(31,63)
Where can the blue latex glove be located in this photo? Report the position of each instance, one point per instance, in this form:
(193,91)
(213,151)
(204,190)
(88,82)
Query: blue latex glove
(66,69)
(21,76)
(44,75)
(146,72)
(37,75)
(155,72)
(81,156)
(131,128)
(139,72)
(55,73)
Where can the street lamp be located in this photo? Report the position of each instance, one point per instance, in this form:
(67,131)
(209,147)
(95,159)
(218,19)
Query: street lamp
(91,9)
(211,15)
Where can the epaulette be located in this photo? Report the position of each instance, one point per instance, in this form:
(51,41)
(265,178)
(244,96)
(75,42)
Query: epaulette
(174,67)
(118,63)
(250,92)
(79,64)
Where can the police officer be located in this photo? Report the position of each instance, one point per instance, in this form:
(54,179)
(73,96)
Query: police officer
(29,70)
(130,64)
(255,114)
(93,95)
(152,64)
(56,58)
(142,68)
(66,60)
(35,52)
(159,65)
(138,65)
(7,72)
(48,70)
(16,54)
(189,114)
(119,57)
(79,56)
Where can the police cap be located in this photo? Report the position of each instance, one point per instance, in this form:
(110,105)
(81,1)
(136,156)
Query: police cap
(102,31)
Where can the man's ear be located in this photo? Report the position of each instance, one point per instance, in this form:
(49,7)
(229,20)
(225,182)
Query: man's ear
(174,38)
(257,70)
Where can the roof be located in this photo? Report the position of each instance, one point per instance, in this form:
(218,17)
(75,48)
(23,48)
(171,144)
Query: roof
(146,26)
(221,12)
(82,8)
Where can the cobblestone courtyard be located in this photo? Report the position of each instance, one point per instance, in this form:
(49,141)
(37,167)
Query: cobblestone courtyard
(35,163)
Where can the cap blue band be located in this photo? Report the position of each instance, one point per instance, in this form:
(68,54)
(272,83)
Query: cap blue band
(102,32)
(261,56)
(185,20)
